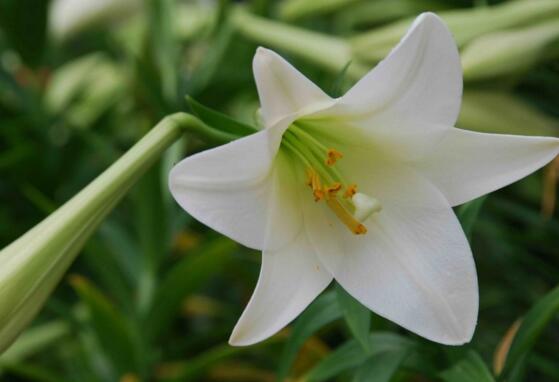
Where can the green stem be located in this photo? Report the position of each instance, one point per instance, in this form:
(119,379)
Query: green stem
(33,264)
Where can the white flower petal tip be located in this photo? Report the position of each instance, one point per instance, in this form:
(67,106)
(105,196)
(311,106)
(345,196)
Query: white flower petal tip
(458,327)
(289,281)
(465,165)
(282,89)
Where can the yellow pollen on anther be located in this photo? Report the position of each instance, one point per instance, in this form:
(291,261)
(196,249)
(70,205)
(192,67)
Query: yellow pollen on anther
(332,190)
(332,155)
(354,225)
(350,191)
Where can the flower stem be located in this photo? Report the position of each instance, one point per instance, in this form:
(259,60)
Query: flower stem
(33,264)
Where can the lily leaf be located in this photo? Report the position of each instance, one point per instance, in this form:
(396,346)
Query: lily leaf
(219,120)
(468,214)
(532,326)
(320,313)
(357,317)
(470,369)
(380,367)
(183,279)
(113,330)
(350,355)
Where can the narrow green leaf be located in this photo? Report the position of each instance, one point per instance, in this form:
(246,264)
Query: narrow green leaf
(34,340)
(337,85)
(149,207)
(357,317)
(380,367)
(532,326)
(184,278)
(163,47)
(468,214)
(470,369)
(350,355)
(113,330)
(322,311)
(219,120)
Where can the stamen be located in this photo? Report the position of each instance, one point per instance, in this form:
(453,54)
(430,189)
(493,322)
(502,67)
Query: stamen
(326,181)
(350,191)
(354,226)
(332,190)
(332,156)
(316,185)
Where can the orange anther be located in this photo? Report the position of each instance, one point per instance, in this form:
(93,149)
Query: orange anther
(332,190)
(332,155)
(350,191)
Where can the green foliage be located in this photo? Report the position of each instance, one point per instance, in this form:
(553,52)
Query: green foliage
(24,22)
(531,328)
(469,369)
(385,346)
(320,313)
(357,317)
(468,214)
(219,120)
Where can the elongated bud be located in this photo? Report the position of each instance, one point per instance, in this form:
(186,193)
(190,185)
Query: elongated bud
(465,25)
(71,16)
(330,52)
(500,112)
(33,264)
(295,9)
(85,88)
(508,52)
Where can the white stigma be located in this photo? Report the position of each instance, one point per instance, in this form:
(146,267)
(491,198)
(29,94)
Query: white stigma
(365,206)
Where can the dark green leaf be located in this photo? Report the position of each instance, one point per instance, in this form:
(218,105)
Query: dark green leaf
(350,355)
(320,313)
(219,120)
(112,329)
(380,367)
(357,317)
(184,278)
(532,326)
(337,86)
(469,369)
(468,214)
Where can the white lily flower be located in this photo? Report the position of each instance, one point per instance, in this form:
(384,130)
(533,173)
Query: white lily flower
(359,189)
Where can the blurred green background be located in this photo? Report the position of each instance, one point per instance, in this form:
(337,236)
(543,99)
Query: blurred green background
(154,295)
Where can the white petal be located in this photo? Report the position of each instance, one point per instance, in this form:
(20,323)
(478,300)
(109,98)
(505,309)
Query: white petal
(289,281)
(413,266)
(420,80)
(283,90)
(242,190)
(465,165)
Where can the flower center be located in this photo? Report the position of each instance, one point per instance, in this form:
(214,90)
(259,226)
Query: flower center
(325,180)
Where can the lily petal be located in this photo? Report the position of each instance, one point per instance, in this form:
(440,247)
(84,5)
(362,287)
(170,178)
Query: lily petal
(282,89)
(420,80)
(235,189)
(413,266)
(290,279)
(465,165)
